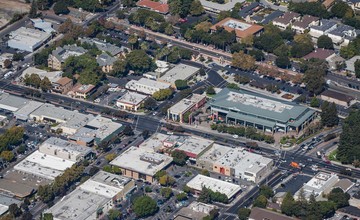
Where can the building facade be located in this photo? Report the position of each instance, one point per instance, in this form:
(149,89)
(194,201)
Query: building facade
(187,105)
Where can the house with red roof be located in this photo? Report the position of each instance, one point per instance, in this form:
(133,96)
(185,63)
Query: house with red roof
(154,6)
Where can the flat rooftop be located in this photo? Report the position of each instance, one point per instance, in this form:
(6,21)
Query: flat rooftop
(59,144)
(216,152)
(155,142)
(20,184)
(53,76)
(146,85)
(24,112)
(142,161)
(320,180)
(185,104)
(28,36)
(196,210)
(195,145)
(43,165)
(12,103)
(241,28)
(241,160)
(216,185)
(104,127)
(132,98)
(180,71)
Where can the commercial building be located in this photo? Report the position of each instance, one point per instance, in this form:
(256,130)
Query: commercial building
(180,71)
(106,62)
(5,202)
(262,112)
(100,193)
(321,183)
(337,98)
(154,6)
(139,163)
(83,91)
(104,46)
(96,130)
(179,110)
(217,7)
(27,39)
(305,23)
(194,147)
(60,54)
(63,85)
(196,210)
(207,159)
(131,101)
(43,25)
(216,185)
(146,86)
(68,121)
(154,143)
(53,76)
(241,28)
(286,20)
(65,149)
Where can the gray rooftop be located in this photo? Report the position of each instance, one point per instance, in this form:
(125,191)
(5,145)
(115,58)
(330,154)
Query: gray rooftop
(325,25)
(180,71)
(345,31)
(259,106)
(103,46)
(11,102)
(62,53)
(248,9)
(105,59)
(272,16)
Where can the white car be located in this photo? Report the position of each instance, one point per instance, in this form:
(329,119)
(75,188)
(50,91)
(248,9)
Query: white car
(236,136)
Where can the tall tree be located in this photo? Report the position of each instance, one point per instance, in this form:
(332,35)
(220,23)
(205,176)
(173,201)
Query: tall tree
(196,8)
(287,205)
(243,61)
(357,68)
(144,206)
(349,144)
(329,115)
(60,7)
(33,9)
(45,84)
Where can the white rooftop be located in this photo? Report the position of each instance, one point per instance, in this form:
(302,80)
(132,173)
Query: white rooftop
(195,145)
(103,126)
(146,86)
(235,24)
(142,161)
(24,112)
(216,185)
(43,165)
(43,25)
(185,104)
(320,180)
(258,102)
(180,71)
(53,76)
(155,142)
(216,152)
(27,36)
(132,98)
(12,103)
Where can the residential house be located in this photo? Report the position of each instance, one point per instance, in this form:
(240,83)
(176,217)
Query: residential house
(337,98)
(249,10)
(272,16)
(63,85)
(60,54)
(350,64)
(105,47)
(355,5)
(286,20)
(320,53)
(343,34)
(328,3)
(154,6)
(324,27)
(106,62)
(305,22)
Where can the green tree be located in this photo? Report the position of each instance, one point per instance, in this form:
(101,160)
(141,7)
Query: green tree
(120,14)
(205,172)
(315,102)
(282,50)
(45,84)
(325,42)
(341,9)
(169,30)
(205,195)
(210,90)
(357,68)
(33,10)
(181,84)
(349,144)
(257,54)
(166,180)
(60,7)
(7,155)
(179,157)
(14,210)
(283,62)
(181,196)
(243,61)
(329,115)
(287,205)
(266,191)
(314,81)
(110,157)
(133,41)
(18,57)
(120,68)
(128,131)
(244,213)
(139,61)
(339,197)
(196,8)
(162,94)
(233,86)
(261,201)
(114,214)
(150,104)
(47,216)
(166,192)
(144,206)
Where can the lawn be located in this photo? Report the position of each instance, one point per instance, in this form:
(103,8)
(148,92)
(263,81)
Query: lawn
(332,155)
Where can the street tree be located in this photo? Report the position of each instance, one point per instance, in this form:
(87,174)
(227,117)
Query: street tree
(128,131)
(283,62)
(150,103)
(114,214)
(162,94)
(266,191)
(210,90)
(7,155)
(46,216)
(196,8)
(357,68)
(287,206)
(349,144)
(244,213)
(243,61)
(181,84)
(60,7)
(18,56)
(120,14)
(166,192)
(179,157)
(261,201)
(329,114)
(144,206)
(45,84)
(315,102)
(181,196)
